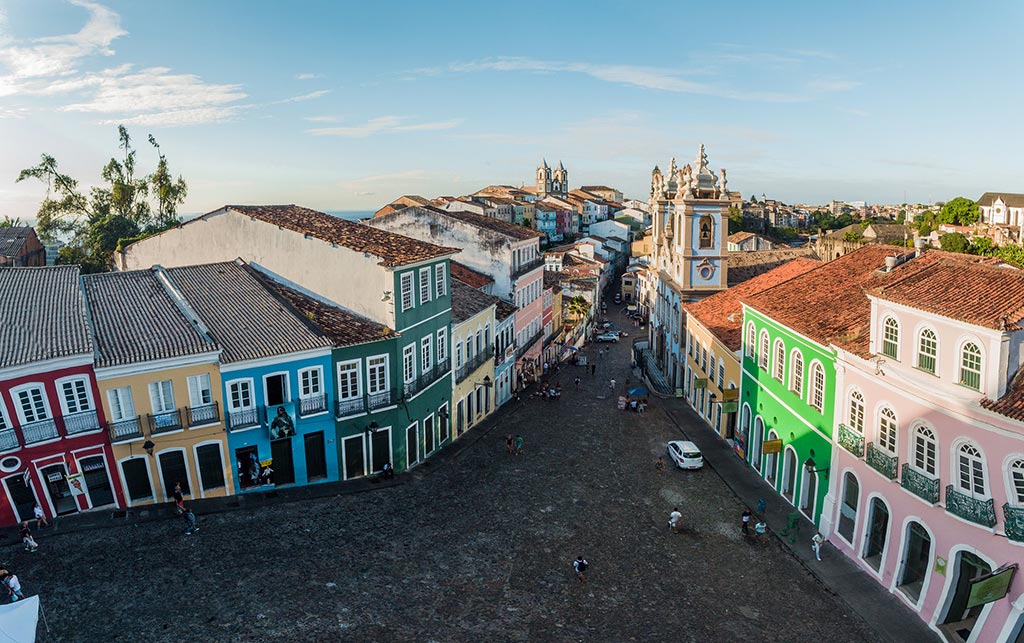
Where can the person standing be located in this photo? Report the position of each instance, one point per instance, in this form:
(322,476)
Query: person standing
(519,445)
(37,511)
(674,519)
(13,586)
(611,385)
(816,542)
(26,537)
(659,466)
(388,471)
(577,382)
(179,497)
(745,521)
(761,529)
(580,566)
(190,521)
(508,444)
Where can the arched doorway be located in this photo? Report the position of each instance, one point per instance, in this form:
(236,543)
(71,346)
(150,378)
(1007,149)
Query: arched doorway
(878,533)
(756,443)
(959,620)
(848,507)
(771,462)
(916,561)
(808,494)
(789,466)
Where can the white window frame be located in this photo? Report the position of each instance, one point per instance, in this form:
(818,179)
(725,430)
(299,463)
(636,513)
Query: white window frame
(1014,469)
(409,360)
(116,393)
(796,372)
(440,281)
(920,353)
(961,369)
(779,361)
(318,371)
(815,390)
(751,340)
(442,344)
(197,382)
(407,292)
(370,389)
(426,353)
(916,438)
(424,285)
(230,402)
(888,430)
(886,341)
(159,386)
(20,411)
(764,350)
(65,408)
(5,419)
(956,473)
(351,367)
(855,411)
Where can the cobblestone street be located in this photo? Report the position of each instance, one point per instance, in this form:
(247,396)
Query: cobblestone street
(477,548)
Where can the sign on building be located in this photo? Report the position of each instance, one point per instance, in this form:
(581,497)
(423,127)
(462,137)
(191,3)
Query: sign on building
(772,446)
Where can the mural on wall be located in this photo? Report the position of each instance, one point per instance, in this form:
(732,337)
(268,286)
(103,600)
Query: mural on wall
(281,420)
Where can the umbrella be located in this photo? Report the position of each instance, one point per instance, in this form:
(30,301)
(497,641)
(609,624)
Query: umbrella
(638,391)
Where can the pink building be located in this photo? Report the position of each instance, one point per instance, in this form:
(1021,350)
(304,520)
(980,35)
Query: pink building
(927,491)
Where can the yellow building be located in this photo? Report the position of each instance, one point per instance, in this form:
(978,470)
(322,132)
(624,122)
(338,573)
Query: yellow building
(158,371)
(473,350)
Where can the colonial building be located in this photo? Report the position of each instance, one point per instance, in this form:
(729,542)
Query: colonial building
(1002,209)
(552,183)
(504,351)
(748,241)
(473,323)
(836,243)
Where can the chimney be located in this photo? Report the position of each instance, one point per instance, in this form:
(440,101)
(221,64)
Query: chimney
(890,263)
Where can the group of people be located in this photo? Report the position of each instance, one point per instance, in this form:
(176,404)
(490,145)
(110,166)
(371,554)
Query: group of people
(187,514)
(12,585)
(637,405)
(549,391)
(514,446)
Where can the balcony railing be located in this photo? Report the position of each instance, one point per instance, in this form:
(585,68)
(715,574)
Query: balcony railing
(81,422)
(380,400)
(164,422)
(206,414)
(312,405)
(426,379)
(923,486)
(476,362)
(350,406)
(882,462)
(508,353)
(982,512)
(524,268)
(528,343)
(851,440)
(122,430)
(9,440)
(1013,522)
(39,431)
(243,419)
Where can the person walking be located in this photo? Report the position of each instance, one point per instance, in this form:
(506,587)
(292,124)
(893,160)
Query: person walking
(745,521)
(593,369)
(26,537)
(674,519)
(179,497)
(659,465)
(13,585)
(519,445)
(816,542)
(509,444)
(37,511)
(611,385)
(577,382)
(190,521)
(761,529)
(580,566)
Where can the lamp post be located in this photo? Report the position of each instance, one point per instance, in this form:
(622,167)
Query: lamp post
(809,465)
(148,445)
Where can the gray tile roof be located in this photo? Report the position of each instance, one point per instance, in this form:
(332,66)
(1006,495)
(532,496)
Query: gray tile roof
(134,319)
(12,239)
(468,301)
(246,319)
(42,315)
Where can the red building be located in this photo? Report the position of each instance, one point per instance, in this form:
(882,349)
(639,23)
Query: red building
(19,246)
(54,448)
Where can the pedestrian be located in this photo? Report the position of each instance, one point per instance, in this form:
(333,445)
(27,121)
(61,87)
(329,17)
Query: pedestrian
(178,496)
(745,520)
(519,445)
(580,566)
(26,537)
(659,466)
(577,382)
(816,545)
(37,511)
(388,471)
(673,520)
(611,385)
(762,531)
(508,443)
(13,585)
(190,521)
(593,369)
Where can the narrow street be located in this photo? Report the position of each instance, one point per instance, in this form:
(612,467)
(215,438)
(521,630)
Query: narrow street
(476,548)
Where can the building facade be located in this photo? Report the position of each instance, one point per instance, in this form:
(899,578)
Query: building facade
(473,323)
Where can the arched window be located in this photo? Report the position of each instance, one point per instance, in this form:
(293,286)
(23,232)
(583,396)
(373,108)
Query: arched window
(927,350)
(780,361)
(971,470)
(762,357)
(751,341)
(926,450)
(970,366)
(857,412)
(890,337)
(848,508)
(817,386)
(796,373)
(706,229)
(1017,482)
(887,430)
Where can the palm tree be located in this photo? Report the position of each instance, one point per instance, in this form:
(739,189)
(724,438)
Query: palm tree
(579,307)
(10,222)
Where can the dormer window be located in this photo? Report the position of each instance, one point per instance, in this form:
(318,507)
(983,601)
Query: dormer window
(970,366)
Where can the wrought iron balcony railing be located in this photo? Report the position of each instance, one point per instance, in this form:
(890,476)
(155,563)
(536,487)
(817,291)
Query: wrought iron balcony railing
(851,440)
(368,402)
(528,343)
(1013,522)
(164,422)
(201,415)
(127,429)
(958,503)
(524,268)
(81,422)
(244,419)
(426,379)
(349,406)
(39,431)
(476,362)
(312,405)
(383,399)
(882,462)
(9,440)
(923,486)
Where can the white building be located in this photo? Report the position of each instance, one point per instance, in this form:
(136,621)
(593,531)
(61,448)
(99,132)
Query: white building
(1002,208)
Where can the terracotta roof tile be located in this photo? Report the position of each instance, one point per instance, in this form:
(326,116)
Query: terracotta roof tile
(1012,403)
(746,265)
(468,276)
(468,301)
(503,310)
(511,230)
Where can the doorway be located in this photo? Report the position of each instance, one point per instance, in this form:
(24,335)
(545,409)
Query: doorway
(94,470)
(135,472)
(281,461)
(412,447)
(878,533)
(757,444)
(22,498)
(247,460)
(172,470)
(355,459)
(316,458)
(848,507)
(789,474)
(771,462)
(459,413)
(380,445)
(960,620)
(54,477)
(276,388)
(428,435)
(809,494)
(916,562)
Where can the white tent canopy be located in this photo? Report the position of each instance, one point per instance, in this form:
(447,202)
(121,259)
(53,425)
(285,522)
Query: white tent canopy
(18,621)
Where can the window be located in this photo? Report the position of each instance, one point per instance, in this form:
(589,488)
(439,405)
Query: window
(721,373)
(458,355)
(751,342)
(890,337)
(927,350)
(762,357)
(426,353)
(32,406)
(4,421)
(199,392)
(817,386)
(407,297)
(75,395)
(161,396)
(442,345)
(689,343)
(377,374)
(121,405)
(409,363)
(857,412)
(796,373)
(240,395)
(424,285)
(780,361)
(705,232)
(309,382)
(971,478)
(887,430)
(711,371)
(970,366)
(704,359)
(348,380)
(926,450)
(440,280)
(1017,482)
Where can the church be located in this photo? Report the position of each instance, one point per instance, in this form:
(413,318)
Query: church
(550,183)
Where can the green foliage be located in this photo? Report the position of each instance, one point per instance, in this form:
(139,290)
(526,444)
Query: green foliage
(924,229)
(959,211)
(10,222)
(1011,253)
(579,307)
(824,220)
(954,242)
(784,233)
(853,235)
(735,220)
(983,246)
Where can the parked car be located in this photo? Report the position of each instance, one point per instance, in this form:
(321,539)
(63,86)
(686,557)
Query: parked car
(607,337)
(618,298)
(685,454)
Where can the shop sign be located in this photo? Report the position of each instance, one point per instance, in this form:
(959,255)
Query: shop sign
(93,466)
(76,482)
(54,477)
(730,407)
(701,382)
(730,395)
(991,587)
(772,446)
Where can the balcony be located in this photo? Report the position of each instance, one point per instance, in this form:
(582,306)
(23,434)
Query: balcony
(524,268)
(508,353)
(476,362)
(81,422)
(200,415)
(312,405)
(383,399)
(981,512)
(851,440)
(350,406)
(1013,522)
(923,486)
(9,440)
(882,462)
(244,419)
(129,429)
(165,422)
(40,431)
(426,379)
(529,343)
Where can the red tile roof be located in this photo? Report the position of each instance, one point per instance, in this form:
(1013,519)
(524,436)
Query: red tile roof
(1012,403)
(468,276)
(393,249)
(722,313)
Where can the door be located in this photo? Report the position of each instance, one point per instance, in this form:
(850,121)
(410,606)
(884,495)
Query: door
(94,470)
(247,460)
(771,460)
(789,474)
(809,495)
(211,467)
(757,444)
(22,498)
(459,418)
(380,443)
(428,435)
(412,447)
(878,533)
(316,459)
(276,390)
(968,567)
(136,479)
(173,470)
(281,462)
(848,507)
(57,486)
(916,561)
(355,461)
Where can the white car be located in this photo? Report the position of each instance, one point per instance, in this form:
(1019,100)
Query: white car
(607,337)
(685,454)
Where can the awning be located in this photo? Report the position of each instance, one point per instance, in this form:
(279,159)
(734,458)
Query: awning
(18,620)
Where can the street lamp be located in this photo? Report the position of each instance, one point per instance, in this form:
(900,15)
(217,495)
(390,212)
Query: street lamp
(486,383)
(148,446)
(809,465)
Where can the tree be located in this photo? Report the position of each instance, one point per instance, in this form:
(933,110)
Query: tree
(983,246)
(853,235)
(169,192)
(10,222)
(959,211)
(735,220)
(579,307)
(954,242)
(924,229)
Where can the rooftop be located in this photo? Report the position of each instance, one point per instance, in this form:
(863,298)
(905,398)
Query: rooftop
(468,301)
(511,230)
(503,310)
(468,276)
(737,237)
(12,239)
(393,249)
(135,319)
(747,265)
(1012,403)
(1011,199)
(42,314)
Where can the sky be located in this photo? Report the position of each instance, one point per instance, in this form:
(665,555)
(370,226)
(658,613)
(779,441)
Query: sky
(348,105)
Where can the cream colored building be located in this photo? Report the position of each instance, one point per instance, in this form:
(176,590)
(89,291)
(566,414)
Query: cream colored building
(473,325)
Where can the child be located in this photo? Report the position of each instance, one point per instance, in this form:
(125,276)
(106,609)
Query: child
(190,520)
(580,567)
(816,545)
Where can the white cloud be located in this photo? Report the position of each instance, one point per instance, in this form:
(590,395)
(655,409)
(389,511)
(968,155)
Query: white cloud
(322,119)
(179,117)
(382,125)
(304,97)
(308,76)
(155,89)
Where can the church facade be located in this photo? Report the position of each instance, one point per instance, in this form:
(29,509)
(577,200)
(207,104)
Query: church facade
(552,182)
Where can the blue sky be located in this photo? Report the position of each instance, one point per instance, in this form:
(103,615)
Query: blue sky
(345,105)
